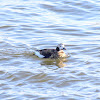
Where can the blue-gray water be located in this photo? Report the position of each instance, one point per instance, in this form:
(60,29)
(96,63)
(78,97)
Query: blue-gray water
(26,25)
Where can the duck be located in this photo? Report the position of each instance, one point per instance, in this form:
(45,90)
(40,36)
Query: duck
(58,52)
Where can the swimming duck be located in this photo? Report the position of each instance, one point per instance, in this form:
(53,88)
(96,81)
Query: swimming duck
(52,53)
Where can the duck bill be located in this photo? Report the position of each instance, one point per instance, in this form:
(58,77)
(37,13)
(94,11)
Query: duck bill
(64,48)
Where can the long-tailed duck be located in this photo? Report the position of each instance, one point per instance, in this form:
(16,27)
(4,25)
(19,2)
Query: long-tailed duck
(52,53)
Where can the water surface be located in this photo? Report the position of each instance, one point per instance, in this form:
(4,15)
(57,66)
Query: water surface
(37,24)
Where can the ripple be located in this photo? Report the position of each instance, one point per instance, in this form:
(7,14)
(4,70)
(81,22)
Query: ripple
(62,9)
(1,72)
(30,25)
(6,26)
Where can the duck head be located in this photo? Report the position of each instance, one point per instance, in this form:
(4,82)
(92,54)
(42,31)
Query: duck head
(60,46)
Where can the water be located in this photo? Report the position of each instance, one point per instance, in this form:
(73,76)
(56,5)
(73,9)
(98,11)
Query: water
(26,25)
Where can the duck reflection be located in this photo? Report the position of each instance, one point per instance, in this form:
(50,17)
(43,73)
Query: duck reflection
(60,62)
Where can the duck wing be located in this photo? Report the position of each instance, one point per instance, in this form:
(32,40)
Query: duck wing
(47,53)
